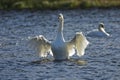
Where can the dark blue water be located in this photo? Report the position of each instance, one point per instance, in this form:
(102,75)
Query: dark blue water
(18,62)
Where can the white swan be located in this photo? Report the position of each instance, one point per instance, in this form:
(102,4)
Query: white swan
(100,32)
(59,48)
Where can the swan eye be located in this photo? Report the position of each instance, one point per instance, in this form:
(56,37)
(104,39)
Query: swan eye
(102,26)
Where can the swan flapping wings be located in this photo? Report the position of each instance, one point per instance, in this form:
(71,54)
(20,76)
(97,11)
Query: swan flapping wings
(79,42)
(59,48)
(41,45)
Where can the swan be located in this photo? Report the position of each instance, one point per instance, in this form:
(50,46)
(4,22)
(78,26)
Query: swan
(59,48)
(100,32)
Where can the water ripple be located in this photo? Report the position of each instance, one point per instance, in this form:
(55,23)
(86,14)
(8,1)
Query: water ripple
(17,61)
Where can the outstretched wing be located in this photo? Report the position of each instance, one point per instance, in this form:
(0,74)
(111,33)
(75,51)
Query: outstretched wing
(79,42)
(41,45)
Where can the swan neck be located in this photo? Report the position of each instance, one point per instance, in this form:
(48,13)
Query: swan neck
(60,32)
(102,29)
(61,26)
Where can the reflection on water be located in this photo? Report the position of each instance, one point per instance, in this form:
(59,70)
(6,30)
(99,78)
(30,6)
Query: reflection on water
(42,61)
(17,62)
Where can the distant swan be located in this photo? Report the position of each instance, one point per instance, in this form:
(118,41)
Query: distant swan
(100,32)
(59,48)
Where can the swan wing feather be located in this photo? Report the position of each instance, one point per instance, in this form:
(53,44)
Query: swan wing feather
(70,48)
(41,45)
(79,42)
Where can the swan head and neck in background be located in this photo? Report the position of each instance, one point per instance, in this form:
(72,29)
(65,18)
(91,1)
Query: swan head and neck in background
(100,32)
(101,28)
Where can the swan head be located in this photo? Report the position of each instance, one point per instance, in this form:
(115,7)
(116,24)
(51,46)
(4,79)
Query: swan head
(101,27)
(60,17)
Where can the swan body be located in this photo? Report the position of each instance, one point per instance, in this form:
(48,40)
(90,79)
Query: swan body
(100,32)
(59,48)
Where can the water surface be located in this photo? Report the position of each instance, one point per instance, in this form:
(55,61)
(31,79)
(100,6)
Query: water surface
(18,62)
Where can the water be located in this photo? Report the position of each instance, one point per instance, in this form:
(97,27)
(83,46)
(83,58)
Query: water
(18,62)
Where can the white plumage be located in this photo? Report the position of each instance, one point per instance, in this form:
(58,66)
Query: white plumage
(59,48)
(100,32)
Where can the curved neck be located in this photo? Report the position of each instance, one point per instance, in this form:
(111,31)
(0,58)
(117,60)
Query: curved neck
(101,29)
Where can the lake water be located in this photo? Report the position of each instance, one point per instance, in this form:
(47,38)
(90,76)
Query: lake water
(18,62)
